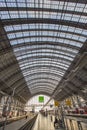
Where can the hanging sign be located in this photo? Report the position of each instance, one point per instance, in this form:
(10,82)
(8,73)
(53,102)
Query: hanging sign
(41,99)
(68,102)
(56,103)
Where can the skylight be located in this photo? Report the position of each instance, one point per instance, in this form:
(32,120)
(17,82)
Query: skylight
(44,49)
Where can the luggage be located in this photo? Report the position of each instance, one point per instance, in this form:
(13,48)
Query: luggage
(56,125)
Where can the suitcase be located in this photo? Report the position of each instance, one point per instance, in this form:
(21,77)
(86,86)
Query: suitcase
(56,126)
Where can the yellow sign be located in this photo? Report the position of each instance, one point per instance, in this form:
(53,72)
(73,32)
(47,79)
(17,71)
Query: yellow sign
(68,102)
(56,103)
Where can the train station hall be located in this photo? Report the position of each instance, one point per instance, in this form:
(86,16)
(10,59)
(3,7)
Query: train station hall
(43,64)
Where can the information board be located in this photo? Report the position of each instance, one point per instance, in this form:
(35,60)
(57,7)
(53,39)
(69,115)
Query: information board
(41,99)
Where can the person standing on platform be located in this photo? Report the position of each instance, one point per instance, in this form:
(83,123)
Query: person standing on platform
(26,116)
(51,118)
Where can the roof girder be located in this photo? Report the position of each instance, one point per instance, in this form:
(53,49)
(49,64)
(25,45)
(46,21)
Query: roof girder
(19,52)
(73,1)
(46,43)
(40,9)
(49,21)
(52,30)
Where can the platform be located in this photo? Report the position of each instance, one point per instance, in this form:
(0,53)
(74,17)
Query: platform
(17,124)
(44,123)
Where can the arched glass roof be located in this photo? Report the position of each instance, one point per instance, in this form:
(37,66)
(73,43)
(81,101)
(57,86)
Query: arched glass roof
(34,103)
(46,36)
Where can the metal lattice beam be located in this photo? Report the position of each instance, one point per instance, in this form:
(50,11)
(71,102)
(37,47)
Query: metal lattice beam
(48,21)
(40,9)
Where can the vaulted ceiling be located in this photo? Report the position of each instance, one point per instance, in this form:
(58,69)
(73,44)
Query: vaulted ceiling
(43,48)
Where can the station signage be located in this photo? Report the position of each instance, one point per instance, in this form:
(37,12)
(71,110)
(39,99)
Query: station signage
(68,102)
(41,99)
(56,103)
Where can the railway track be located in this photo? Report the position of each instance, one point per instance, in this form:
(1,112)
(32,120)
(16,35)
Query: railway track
(29,124)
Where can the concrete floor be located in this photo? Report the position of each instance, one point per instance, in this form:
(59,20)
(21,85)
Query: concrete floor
(44,123)
(16,125)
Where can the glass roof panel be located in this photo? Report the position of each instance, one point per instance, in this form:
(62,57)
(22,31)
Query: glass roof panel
(46,38)
(40,76)
(66,62)
(45,26)
(44,55)
(42,80)
(59,72)
(46,4)
(34,91)
(48,33)
(40,14)
(44,51)
(42,87)
(47,82)
(46,46)
(25,67)
(46,62)
(39,50)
